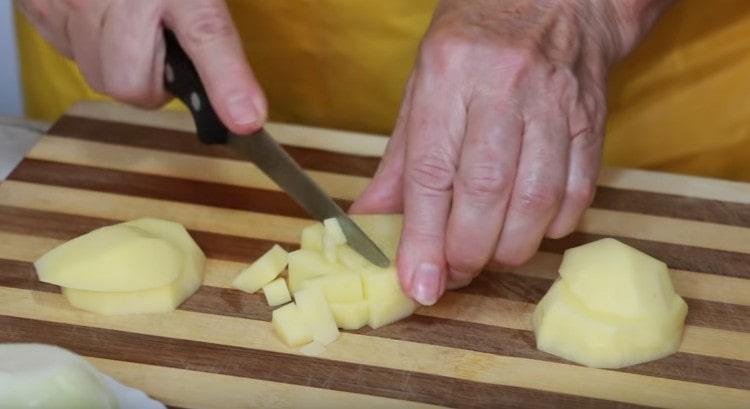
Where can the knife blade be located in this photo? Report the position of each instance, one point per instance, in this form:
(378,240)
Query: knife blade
(182,80)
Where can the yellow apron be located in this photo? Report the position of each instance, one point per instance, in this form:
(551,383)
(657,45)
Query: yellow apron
(680,103)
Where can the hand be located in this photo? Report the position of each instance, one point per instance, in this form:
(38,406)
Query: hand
(119,49)
(499,138)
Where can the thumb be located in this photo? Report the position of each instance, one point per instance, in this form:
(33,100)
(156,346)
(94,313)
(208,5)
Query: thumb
(206,32)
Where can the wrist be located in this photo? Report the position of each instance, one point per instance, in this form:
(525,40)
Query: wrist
(628,22)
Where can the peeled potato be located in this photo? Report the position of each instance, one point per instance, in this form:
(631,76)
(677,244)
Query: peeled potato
(45,376)
(154,300)
(613,306)
(386,302)
(112,258)
(262,271)
(383,229)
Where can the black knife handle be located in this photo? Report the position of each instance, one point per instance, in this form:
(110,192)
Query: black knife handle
(182,80)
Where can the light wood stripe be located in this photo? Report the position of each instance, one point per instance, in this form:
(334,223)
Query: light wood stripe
(374,145)
(666,230)
(199,390)
(476,309)
(414,357)
(286,229)
(180,165)
(119,207)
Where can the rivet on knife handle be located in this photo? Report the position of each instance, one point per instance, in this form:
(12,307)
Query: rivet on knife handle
(182,80)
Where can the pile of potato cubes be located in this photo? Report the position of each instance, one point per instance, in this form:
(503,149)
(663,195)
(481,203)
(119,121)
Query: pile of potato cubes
(333,286)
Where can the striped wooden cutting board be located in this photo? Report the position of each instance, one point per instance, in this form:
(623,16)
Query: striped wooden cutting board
(104,163)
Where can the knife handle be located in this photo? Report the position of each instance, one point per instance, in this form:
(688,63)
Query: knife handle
(182,80)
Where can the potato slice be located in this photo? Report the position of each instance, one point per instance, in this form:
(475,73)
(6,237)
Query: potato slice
(312,237)
(264,270)
(314,309)
(155,300)
(340,287)
(112,258)
(386,302)
(290,326)
(350,316)
(612,307)
(276,292)
(352,260)
(45,376)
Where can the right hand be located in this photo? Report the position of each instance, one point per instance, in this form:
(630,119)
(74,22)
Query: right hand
(119,49)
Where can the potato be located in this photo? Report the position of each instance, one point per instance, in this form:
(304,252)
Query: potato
(612,307)
(383,229)
(313,349)
(386,302)
(352,260)
(155,300)
(276,292)
(112,258)
(339,287)
(46,376)
(351,316)
(290,326)
(312,237)
(264,270)
(306,264)
(314,309)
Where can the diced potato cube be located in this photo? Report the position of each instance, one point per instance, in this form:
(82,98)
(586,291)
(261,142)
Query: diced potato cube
(276,292)
(340,287)
(333,231)
(306,264)
(386,302)
(312,237)
(314,310)
(262,271)
(349,257)
(154,300)
(330,250)
(383,229)
(351,316)
(112,258)
(313,349)
(290,326)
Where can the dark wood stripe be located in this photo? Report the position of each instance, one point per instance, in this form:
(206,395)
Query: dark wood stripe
(224,247)
(159,187)
(677,256)
(430,330)
(290,369)
(680,207)
(186,142)
(633,201)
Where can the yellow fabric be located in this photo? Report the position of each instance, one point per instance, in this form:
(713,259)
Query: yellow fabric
(679,103)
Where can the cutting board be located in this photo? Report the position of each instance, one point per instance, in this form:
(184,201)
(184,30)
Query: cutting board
(104,163)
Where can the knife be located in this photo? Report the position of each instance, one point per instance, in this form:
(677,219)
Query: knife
(182,80)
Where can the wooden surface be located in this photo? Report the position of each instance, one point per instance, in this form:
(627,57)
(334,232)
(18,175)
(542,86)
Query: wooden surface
(102,164)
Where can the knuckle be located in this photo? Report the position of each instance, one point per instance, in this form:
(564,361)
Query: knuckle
(433,171)
(538,197)
(128,89)
(511,259)
(208,24)
(582,195)
(484,182)
(444,49)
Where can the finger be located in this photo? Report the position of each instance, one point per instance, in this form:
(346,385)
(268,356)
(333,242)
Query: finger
(434,132)
(538,188)
(83,28)
(132,53)
(482,187)
(583,168)
(206,32)
(384,194)
(586,126)
(49,17)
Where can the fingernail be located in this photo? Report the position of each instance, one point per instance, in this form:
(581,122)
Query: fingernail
(426,284)
(242,109)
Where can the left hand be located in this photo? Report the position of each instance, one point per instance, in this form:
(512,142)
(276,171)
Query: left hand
(499,138)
